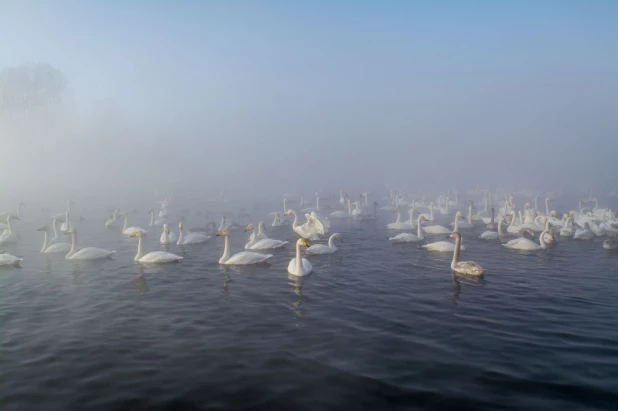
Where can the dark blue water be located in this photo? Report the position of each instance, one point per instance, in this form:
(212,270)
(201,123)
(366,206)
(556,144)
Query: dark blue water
(375,326)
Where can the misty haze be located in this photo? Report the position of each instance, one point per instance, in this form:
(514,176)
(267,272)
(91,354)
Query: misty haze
(308,205)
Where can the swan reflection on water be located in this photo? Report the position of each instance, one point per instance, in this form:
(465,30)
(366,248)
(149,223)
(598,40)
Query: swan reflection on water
(140,281)
(470,280)
(225,289)
(297,283)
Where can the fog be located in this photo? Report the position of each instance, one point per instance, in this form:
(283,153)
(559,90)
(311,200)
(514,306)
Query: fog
(258,98)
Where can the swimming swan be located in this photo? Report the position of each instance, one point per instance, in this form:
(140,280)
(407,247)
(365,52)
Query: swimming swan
(129,231)
(325,249)
(242,258)
(9,259)
(53,248)
(299,266)
(264,243)
(309,230)
(190,238)
(154,257)
(407,237)
(8,237)
(167,236)
(88,253)
(464,267)
(529,245)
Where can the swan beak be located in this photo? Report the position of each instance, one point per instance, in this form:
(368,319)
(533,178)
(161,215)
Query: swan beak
(220,233)
(304,243)
(135,234)
(69,231)
(41,228)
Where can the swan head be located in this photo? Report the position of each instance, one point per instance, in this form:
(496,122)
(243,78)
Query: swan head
(249,227)
(137,234)
(421,219)
(553,214)
(166,228)
(70,231)
(302,242)
(43,228)
(528,231)
(223,233)
(455,235)
(549,199)
(460,215)
(180,225)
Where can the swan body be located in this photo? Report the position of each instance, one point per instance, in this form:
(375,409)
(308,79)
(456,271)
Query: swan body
(338,214)
(53,248)
(568,230)
(9,259)
(190,238)
(410,238)
(277,221)
(242,258)
(8,237)
(442,246)
(464,267)
(489,235)
(167,237)
(309,230)
(299,266)
(324,249)
(261,244)
(583,233)
(129,231)
(113,220)
(154,257)
(528,245)
(89,253)
(398,224)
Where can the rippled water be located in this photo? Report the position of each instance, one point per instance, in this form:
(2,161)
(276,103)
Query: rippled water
(375,326)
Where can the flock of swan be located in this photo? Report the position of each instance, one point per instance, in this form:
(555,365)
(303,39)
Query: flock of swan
(516,227)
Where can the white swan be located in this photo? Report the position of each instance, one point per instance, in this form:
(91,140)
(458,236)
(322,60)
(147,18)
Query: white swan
(568,230)
(9,259)
(464,224)
(242,258)
(129,231)
(492,235)
(438,229)
(154,257)
(308,230)
(409,238)
(257,235)
(56,238)
(8,237)
(20,205)
(325,249)
(299,266)
(261,244)
(190,238)
(584,233)
(88,253)
(398,224)
(528,245)
(167,237)
(443,246)
(228,224)
(277,221)
(53,248)
(430,216)
(464,267)
(113,220)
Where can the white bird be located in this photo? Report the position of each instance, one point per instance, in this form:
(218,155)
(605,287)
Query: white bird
(190,238)
(528,245)
(464,267)
(228,224)
(492,235)
(325,249)
(53,248)
(584,233)
(67,223)
(167,237)
(568,230)
(259,234)
(113,220)
(299,266)
(277,221)
(8,237)
(444,246)
(438,229)
(409,238)
(154,257)
(261,244)
(398,224)
(309,230)
(129,231)
(17,214)
(242,258)
(88,253)
(9,259)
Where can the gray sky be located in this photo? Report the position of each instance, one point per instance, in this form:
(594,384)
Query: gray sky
(263,97)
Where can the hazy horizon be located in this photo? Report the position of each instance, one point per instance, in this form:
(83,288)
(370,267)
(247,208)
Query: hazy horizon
(256,99)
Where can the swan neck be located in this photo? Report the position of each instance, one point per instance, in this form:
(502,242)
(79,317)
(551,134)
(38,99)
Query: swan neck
(456,252)
(419,230)
(226,250)
(542,239)
(181,236)
(500,232)
(126,218)
(299,263)
(73,244)
(492,216)
(547,206)
(55,225)
(151,219)
(295,222)
(44,241)
(9,224)
(470,214)
(140,247)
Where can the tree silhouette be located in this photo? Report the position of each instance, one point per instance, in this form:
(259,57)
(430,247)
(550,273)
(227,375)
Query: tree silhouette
(31,85)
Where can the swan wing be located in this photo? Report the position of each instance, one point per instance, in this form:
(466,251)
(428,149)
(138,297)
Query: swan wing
(160,257)
(132,230)
(436,229)
(404,238)
(489,235)
(247,257)
(468,267)
(306,267)
(194,238)
(92,253)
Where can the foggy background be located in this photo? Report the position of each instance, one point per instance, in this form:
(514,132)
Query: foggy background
(256,98)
